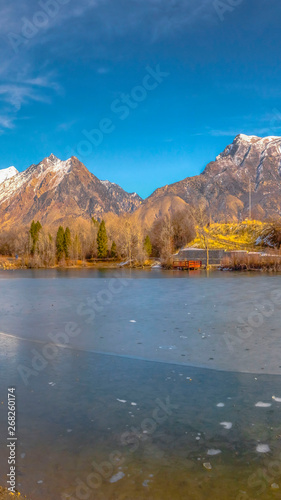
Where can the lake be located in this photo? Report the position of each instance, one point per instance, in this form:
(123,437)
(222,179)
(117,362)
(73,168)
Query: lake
(142,384)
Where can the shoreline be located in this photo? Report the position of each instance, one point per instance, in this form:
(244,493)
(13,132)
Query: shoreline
(12,264)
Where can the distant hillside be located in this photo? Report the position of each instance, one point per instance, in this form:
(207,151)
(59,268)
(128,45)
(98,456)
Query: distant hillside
(241,236)
(56,191)
(250,163)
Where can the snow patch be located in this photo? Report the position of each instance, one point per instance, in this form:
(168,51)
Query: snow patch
(7,173)
(108,184)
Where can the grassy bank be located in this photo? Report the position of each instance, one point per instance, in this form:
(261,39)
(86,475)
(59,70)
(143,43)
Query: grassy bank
(233,236)
(9,263)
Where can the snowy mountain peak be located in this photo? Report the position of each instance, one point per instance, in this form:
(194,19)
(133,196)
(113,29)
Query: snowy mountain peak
(254,138)
(240,148)
(7,173)
(53,190)
(244,137)
(53,158)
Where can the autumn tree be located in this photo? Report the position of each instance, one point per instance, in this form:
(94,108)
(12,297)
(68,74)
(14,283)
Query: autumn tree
(162,237)
(15,241)
(67,242)
(45,255)
(183,228)
(93,236)
(171,232)
(200,213)
(76,247)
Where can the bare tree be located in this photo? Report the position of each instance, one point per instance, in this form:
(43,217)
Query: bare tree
(171,232)
(201,216)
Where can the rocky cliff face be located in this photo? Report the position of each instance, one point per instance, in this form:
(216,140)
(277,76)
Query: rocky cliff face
(250,163)
(56,191)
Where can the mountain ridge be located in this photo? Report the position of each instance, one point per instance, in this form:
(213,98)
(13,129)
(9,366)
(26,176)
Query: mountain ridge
(248,163)
(56,191)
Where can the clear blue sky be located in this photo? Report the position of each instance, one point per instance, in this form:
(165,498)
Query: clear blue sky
(67,71)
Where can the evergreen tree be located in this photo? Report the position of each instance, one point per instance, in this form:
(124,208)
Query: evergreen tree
(34,231)
(147,246)
(60,243)
(67,242)
(102,241)
(113,251)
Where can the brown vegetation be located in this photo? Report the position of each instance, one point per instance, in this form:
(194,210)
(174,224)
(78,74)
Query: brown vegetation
(170,233)
(253,261)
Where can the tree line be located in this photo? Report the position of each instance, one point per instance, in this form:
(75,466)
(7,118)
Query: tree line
(122,237)
(65,245)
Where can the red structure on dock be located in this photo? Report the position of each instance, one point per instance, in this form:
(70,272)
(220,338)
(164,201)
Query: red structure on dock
(187,264)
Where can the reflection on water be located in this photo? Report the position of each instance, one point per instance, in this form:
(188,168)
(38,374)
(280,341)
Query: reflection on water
(106,426)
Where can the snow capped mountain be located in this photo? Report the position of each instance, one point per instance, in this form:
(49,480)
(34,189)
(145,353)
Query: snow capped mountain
(54,191)
(57,192)
(249,163)
(7,173)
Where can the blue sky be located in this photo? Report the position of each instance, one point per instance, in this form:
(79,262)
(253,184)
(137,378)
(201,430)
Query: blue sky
(67,65)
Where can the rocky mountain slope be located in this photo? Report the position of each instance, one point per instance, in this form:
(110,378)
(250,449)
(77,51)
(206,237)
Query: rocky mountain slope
(56,191)
(250,163)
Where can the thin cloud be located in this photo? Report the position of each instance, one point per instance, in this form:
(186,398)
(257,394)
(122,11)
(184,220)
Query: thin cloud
(234,132)
(6,122)
(17,94)
(14,95)
(66,126)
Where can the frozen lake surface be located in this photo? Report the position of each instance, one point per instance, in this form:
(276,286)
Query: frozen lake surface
(172,379)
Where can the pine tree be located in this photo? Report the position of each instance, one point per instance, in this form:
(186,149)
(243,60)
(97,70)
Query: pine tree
(147,246)
(113,251)
(60,243)
(67,242)
(102,241)
(34,231)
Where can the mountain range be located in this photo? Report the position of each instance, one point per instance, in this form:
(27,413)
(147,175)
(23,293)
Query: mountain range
(55,191)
